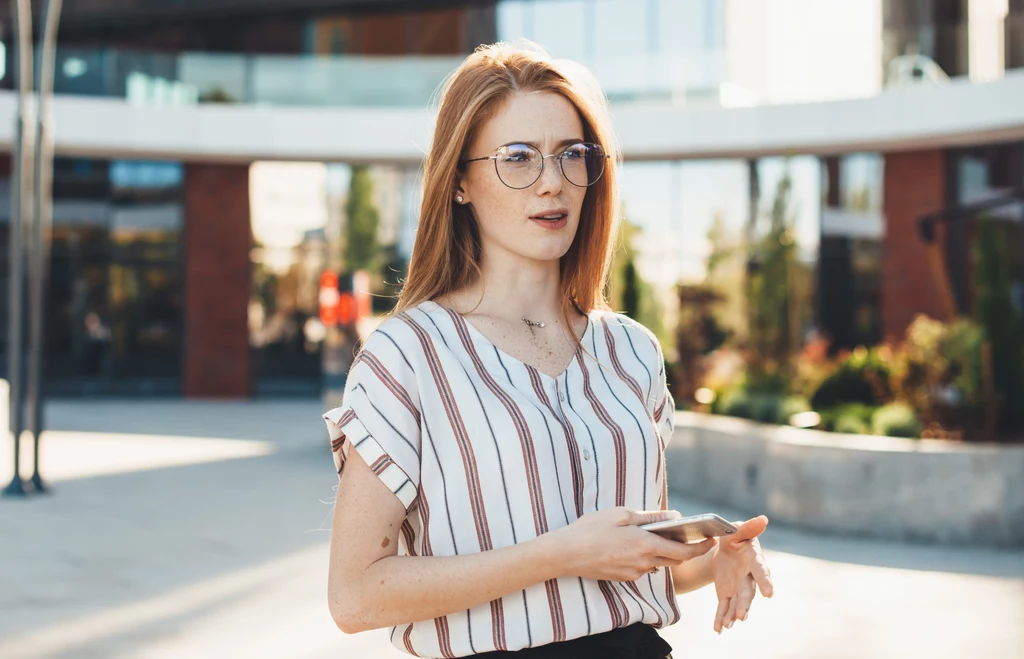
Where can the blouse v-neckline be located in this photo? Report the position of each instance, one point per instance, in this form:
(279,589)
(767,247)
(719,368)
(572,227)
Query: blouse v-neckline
(480,336)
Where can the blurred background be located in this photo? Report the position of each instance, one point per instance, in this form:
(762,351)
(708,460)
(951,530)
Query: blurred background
(823,206)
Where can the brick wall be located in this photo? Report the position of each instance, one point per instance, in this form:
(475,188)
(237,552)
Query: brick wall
(913,279)
(218,239)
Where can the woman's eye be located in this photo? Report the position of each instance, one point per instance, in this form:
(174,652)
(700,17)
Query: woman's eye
(575,153)
(516,156)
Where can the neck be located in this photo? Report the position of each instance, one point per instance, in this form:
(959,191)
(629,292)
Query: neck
(517,288)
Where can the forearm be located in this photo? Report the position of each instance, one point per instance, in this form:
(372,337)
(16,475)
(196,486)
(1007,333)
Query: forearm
(693,574)
(401,589)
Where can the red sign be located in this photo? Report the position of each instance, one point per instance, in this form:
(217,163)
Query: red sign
(330,299)
(348,311)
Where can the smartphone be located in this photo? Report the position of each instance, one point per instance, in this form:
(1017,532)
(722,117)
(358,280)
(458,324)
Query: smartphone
(692,529)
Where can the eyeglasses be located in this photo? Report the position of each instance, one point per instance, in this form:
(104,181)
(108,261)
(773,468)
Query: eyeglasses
(520,165)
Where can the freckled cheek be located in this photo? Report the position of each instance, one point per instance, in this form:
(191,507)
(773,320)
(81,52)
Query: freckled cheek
(500,206)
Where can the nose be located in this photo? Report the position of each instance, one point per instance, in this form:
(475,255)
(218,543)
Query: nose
(551,179)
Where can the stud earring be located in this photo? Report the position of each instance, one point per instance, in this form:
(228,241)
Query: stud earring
(459,199)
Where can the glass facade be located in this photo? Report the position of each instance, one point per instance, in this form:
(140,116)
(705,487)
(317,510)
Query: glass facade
(988,182)
(114,308)
(976,38)
(849,281)
(299,221)
(646,49)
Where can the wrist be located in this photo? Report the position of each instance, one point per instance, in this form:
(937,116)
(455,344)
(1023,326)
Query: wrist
(552,553)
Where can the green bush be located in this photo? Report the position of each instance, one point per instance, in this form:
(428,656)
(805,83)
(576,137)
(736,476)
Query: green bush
(852,424)
(896,420)
(863,377)
(792,405)
(937,370)
(758,406)
(766,408)
(856,415)
(735,402)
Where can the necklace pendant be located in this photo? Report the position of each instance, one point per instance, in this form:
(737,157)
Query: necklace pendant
(533,323)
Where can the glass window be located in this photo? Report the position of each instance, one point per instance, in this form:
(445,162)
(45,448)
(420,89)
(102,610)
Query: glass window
(990,174)
(860,180)
(114,306)
(621,54)
(290,232)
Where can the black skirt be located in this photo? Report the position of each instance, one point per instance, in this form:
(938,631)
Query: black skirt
(637,641)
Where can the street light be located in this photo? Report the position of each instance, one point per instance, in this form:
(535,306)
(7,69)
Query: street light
(31,209)
(39,266)
(21,215)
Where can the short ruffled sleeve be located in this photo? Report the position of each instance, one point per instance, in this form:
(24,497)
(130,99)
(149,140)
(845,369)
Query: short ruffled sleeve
(380,417)
(664,406)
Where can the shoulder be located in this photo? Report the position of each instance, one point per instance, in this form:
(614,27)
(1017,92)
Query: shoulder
(640,338)
(404,334)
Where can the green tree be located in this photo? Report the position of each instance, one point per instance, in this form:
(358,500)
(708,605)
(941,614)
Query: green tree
(630,290)
(770,296)
(1002,324)
(725,275)
(627,291)
(721,248)
(362,218)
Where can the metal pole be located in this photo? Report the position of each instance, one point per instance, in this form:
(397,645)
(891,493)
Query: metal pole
(21,214)
(39,268)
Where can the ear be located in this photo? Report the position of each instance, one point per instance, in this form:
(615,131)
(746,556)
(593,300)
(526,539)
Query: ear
(458,191)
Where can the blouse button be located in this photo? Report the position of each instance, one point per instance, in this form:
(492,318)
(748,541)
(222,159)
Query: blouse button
(561,396)
(586,454)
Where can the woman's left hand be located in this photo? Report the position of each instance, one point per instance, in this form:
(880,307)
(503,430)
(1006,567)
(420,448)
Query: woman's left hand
(738,569)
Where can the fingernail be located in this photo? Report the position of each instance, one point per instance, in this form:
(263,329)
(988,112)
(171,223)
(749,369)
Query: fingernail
(731,623)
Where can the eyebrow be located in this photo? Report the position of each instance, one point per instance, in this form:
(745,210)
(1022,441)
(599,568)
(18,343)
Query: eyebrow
(565,142)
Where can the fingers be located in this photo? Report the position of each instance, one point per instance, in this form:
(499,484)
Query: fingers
(750,529)
(723,608)
(638,517)
(747,593)
(730,613)
(763,576)
(678,552)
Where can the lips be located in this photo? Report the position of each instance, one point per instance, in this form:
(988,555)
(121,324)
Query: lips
(551,215)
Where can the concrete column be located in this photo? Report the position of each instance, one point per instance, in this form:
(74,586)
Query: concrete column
(218,277)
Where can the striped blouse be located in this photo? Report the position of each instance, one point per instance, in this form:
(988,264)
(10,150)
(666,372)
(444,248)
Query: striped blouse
(485,451)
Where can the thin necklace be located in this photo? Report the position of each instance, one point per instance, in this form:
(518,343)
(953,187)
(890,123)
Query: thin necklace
(534,323)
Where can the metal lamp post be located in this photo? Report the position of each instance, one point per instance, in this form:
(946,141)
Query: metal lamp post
(22,194)
(31,214)
(39,266)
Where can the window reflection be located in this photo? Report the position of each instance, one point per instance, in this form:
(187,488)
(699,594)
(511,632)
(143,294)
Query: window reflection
(289,220)
(114,307)
(849,308)
(989,174)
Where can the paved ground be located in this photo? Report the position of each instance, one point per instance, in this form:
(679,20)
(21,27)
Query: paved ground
(199,530)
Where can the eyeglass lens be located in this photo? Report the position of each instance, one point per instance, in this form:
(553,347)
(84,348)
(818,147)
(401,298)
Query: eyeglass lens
(520,165)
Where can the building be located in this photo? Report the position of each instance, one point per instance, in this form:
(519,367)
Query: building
(205,151)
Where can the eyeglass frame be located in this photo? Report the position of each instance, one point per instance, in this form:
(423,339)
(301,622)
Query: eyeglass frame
(543,157)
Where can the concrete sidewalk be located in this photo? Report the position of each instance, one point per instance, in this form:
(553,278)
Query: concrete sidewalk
(181,529)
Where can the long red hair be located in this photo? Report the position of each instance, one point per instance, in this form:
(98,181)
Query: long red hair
(447,252)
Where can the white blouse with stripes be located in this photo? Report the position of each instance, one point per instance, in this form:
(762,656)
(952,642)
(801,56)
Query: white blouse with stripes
(485,451)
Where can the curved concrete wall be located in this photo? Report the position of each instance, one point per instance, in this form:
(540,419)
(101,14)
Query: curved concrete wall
(902,489)
(916,117)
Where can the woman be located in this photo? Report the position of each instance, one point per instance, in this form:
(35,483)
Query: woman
(508,428)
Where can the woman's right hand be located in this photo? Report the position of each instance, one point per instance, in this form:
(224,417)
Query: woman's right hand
(609,545)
